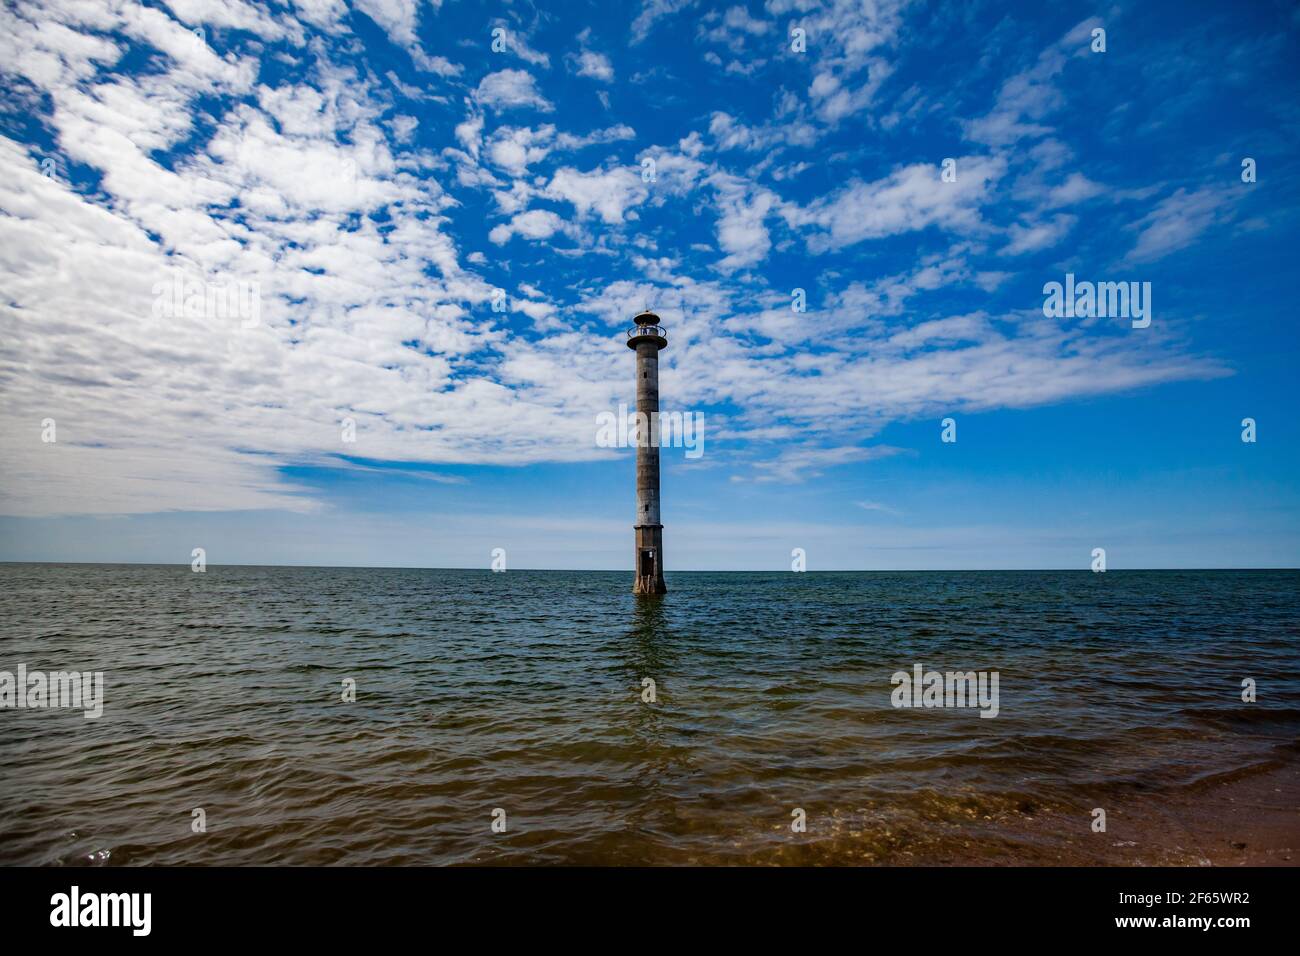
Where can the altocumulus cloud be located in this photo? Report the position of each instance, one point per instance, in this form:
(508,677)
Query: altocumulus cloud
(382,190)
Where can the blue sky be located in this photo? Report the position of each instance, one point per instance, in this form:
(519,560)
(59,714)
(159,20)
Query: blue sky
(382,173)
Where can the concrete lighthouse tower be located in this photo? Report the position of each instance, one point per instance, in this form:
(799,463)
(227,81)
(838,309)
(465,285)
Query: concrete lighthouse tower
(647,338)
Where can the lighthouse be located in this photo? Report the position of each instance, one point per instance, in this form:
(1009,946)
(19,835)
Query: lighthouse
(646,338)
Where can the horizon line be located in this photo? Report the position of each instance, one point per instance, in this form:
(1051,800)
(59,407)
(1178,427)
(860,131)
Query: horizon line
(416,567)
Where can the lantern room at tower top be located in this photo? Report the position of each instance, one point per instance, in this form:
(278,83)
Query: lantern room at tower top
(647,328)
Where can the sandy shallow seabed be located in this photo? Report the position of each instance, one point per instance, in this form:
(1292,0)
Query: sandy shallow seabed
(1250,820)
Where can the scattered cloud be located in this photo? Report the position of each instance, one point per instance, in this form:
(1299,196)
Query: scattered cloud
(1176,222)
(592,64)
(511,89)
(1036,236)
(911,198)
(380,198)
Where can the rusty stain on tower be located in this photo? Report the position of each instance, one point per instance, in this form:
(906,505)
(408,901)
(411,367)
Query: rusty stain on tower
(647,338)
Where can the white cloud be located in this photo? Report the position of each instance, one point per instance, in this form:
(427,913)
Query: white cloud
(678,171)
(653,11)
(733,28)
(514,149)
(850,39)
(397,18)
(595,65)
(469,134)
(1035,236)
(437,64)
(533,224)
(877,506)
(1028,98)
(729,133)
(1175,223)
(910,198)
(511,89)
(798,464)
(610,193)
(516,42)
(235,14)
(1077,188)
(742,231)
(834,99)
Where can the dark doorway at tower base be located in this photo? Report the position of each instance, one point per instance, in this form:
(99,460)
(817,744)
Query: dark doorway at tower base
(649,560)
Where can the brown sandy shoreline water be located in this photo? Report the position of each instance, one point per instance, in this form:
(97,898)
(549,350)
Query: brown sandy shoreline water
(1250,820)
(522,691)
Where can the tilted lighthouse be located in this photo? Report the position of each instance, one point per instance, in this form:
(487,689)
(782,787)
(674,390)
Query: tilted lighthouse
(647,338)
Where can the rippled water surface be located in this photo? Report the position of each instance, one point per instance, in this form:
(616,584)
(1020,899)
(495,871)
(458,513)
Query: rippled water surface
(522,691)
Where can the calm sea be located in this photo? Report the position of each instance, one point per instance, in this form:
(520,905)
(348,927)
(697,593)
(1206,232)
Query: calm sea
(522,692)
